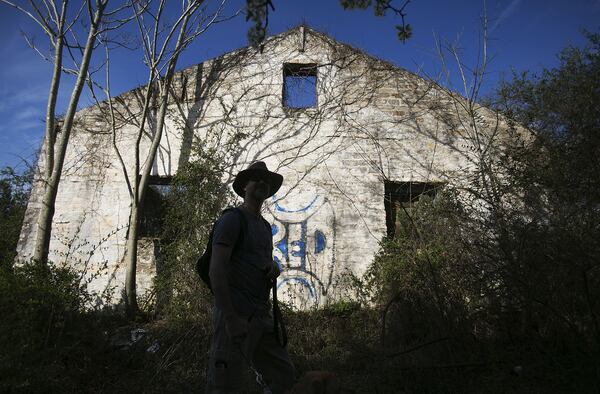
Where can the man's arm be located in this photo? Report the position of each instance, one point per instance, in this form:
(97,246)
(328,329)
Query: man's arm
(272,271)
(219,267)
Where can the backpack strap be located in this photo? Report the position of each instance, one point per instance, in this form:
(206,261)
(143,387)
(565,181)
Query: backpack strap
(243,227)
(278,323)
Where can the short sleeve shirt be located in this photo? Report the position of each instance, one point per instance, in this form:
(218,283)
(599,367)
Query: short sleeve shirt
(250,260)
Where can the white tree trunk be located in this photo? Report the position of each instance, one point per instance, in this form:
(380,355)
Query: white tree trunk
(130,261)
(57,150)
(140,185)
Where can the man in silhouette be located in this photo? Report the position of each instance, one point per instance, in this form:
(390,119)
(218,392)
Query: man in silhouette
(242,272)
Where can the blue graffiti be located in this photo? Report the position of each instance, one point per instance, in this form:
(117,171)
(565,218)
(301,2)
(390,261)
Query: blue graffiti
(302,281)
(320,241)
(303,209)
(278,262)
(299,248)
(294,248)
(283,247)
(298,256)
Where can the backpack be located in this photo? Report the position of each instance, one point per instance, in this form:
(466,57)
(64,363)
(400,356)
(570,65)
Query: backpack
(203,263)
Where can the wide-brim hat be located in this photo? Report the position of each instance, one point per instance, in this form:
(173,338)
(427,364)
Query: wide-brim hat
(257,170)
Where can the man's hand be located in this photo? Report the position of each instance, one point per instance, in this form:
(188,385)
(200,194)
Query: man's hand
(237,328)
(272,271)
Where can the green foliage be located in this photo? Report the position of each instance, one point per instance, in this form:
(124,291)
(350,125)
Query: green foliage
(42,315)
(551,242)
(471,294)
(380,7)
(50,344)
(561,107)
(196,199)
(404,32)
(14,194)
(460,287)
(423,272)
(257,11)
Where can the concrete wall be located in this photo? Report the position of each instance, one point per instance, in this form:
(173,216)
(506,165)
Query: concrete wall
(373,123)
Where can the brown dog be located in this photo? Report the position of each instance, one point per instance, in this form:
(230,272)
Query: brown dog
(317,382)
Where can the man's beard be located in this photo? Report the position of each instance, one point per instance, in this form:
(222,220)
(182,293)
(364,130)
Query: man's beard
(261,193)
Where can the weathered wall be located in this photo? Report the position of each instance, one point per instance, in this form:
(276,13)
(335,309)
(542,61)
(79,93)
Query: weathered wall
(373,122)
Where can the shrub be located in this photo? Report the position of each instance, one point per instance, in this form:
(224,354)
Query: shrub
(42,314)
(14,193)
(194,203)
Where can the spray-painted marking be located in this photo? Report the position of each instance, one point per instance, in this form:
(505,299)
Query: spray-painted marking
(303,259)
(303,209)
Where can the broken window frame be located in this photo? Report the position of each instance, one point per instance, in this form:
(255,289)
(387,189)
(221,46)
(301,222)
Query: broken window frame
(300,70)
(404,195)
(152,216)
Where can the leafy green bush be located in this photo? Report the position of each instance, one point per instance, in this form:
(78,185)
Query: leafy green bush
(550,243)
(194,203)
(42,313)
(421,273)
(14,193)
(467,289)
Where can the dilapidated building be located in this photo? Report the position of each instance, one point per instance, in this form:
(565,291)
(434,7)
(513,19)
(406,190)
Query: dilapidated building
(354,136)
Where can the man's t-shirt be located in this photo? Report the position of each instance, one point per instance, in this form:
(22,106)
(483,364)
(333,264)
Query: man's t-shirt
(250,261)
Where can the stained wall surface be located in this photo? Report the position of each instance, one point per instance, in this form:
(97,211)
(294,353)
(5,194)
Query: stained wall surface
(372,123)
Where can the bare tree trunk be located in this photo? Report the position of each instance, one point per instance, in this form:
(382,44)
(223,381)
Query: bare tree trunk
(140,185)
(46,214)
(131,259)
(50,134)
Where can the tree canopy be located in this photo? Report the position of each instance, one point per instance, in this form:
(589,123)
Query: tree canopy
(561,107)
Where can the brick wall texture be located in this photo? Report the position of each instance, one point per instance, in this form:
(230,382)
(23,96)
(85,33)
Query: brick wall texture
(373,122)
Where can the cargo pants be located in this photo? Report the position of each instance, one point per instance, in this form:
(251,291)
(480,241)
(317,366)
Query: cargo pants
(228,362)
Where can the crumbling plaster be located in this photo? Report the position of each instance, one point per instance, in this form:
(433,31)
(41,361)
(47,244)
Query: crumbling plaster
(373,122)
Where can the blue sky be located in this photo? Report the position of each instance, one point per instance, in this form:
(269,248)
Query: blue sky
(524,35)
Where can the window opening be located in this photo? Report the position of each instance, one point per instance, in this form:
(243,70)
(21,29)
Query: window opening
(154,208)
(403,196)
(299,85)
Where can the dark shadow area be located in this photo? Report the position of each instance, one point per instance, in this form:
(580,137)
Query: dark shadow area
(400,196)
(154,208)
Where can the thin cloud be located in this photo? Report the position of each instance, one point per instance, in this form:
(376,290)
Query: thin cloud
(15,100)
(22,61)
(23,109)
(28,113)
(505,13)
(33,95)
(31,125)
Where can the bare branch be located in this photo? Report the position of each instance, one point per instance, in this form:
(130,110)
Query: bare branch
(113,124)
(51,9)
(41,16)
(76,17)
(41,22)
